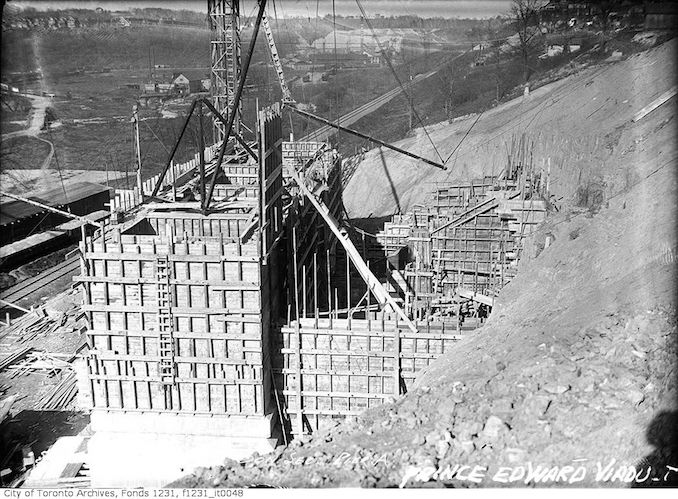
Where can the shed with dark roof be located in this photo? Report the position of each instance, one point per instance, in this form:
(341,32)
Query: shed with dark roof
(19,219)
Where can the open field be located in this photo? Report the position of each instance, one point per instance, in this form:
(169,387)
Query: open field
(20,153)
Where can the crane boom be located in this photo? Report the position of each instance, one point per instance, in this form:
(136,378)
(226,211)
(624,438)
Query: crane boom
(287,96)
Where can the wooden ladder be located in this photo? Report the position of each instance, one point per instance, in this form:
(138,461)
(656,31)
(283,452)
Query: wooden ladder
(166,366)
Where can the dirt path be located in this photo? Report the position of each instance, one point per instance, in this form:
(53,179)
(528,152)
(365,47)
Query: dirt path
(39,107)
(36,120)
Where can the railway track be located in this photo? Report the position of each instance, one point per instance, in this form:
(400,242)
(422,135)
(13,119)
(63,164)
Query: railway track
(29,286)
(324,132)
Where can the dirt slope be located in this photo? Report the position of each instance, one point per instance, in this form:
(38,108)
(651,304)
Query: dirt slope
(572,381)
(576,122)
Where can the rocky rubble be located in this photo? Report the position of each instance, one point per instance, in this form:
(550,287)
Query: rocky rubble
(613,372)
(572,380)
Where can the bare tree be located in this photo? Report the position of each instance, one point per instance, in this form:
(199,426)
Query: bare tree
(525,15)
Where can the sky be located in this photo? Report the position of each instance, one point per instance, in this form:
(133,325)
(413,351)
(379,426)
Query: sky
(305,8)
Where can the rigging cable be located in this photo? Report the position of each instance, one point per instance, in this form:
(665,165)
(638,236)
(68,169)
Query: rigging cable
(464,137)
(56,160)
(390,65)
(336,63)
(158,138)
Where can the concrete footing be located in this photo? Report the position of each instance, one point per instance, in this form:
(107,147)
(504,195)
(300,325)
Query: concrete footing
(152,450)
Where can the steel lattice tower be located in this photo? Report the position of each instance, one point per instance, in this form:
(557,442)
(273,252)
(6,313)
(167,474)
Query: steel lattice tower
(224,20)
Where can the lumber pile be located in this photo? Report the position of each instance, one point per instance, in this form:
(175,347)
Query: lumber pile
(18,326)
(14,357)
(40,362)
(62,394)
(31,328)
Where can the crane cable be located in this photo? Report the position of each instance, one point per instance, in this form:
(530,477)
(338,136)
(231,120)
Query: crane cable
(336,62)
(390,65)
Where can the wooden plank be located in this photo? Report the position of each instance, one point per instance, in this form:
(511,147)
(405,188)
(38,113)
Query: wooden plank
(396,363)
(177,215)
(105,356)
(655,103)
(193,335)
(180,311)
(118,410)
(350,395)
(335,372)
(479,297)
(193,381)
(373,333)
(323,412)
(218,285)
(98,255)
(71,470)
(361,353)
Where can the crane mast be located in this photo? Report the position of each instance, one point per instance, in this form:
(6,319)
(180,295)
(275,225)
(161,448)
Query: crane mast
(225,67)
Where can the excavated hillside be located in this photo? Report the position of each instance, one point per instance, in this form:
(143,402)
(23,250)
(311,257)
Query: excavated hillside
(579,123)
(572,382)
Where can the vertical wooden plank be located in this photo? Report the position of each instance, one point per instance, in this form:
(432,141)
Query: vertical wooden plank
(297,349)
(315,288)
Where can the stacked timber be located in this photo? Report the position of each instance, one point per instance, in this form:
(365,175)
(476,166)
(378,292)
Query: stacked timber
(62,394)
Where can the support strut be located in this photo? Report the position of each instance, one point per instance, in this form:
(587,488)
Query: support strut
(53,210)
(363,136)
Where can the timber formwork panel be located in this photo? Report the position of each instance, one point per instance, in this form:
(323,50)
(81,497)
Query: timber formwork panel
(180,311)
(249,190)
(215,314)
(310,245)
(393,237)
(296,154)
(334,368)
(270,179)
(241,173)
(223,226)
(452,199)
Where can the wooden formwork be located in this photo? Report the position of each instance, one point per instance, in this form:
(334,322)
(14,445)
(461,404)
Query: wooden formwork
(215,298)
(310,249)
(296,154)
(332,368)
(165,221)
(469,237)
(180,305)
(473,255)
(229,191)
(452,199)
(393,237)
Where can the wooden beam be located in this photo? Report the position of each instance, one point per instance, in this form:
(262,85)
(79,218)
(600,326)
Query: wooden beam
(479,297)
(655,103)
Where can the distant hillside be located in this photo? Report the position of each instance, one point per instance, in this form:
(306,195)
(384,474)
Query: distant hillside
(108,46)
(118,47)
